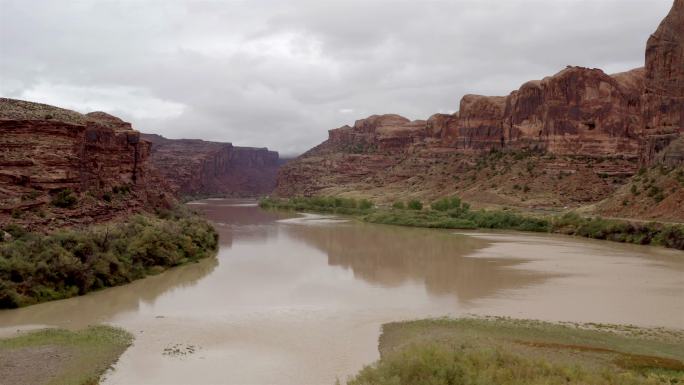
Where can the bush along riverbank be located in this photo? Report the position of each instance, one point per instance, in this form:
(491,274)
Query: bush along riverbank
(38,267)
(515,352)
(452,213)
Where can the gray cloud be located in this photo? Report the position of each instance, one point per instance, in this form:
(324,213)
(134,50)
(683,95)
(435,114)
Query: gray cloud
(280,74)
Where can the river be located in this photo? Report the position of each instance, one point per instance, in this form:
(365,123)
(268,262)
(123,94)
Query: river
(299,299)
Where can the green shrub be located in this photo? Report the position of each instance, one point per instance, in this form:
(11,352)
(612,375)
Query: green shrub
(64,198)
(36,267)
(414,204)
(446,204)
(398,205)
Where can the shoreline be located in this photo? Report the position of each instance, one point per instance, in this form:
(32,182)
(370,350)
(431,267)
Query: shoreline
(452,213)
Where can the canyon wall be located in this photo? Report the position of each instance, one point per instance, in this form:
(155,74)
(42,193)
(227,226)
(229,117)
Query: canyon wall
(45,150)
(663,97)
(578,122)
(203,168)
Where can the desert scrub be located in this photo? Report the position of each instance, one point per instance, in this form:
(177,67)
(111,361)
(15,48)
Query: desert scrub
(86,355)
(516,352)
(36,267)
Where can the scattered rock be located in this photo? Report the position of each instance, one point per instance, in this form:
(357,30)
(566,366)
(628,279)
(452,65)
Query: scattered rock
(180,350)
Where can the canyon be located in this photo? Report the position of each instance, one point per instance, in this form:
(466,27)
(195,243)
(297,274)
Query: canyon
(202,168)
(570,140)
(62,168)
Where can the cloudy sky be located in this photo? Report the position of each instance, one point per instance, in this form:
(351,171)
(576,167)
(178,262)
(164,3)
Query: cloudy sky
(281,73)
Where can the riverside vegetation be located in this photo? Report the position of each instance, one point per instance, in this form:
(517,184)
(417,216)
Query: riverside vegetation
(452,213)
(516,352)
(38,267)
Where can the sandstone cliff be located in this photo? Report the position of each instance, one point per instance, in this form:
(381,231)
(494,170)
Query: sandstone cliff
(663,97)
(202,168)
(45,151)
(567,140)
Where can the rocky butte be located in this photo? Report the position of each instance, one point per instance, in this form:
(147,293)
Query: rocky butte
(203,168)
(51,158)
(572,139)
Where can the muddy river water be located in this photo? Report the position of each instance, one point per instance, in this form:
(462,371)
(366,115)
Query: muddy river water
(300,299)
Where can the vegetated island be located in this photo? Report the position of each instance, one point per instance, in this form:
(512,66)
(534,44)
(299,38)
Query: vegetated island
(506,351)
(453,213)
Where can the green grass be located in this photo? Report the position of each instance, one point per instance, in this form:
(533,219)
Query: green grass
(93,350)
(516,352)
(37,267)
(452,213)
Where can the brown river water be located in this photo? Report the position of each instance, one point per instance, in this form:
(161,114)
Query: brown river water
(299,299)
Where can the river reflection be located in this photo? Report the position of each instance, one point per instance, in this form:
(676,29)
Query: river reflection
(294,299)
(391,256)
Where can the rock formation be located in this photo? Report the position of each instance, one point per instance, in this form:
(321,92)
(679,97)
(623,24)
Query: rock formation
(45,150)
(663,97)
(202,168)
(580,126)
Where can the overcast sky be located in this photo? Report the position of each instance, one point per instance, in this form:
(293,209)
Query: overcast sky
(281,73)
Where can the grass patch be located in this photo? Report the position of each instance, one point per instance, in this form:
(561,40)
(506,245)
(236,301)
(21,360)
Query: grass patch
(515,352)
(83,355)
(37,267)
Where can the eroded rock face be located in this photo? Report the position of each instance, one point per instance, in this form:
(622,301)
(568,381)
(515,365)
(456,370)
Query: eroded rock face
(663,98)
(202,168)
(45,149)
(580,118)
(578,111)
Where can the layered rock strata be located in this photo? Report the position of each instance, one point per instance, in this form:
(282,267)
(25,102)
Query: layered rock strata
(45,150)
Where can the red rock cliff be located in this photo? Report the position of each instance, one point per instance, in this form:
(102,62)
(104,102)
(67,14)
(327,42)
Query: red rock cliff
(202,168)
(663,97)
(600,128)
(45,149)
